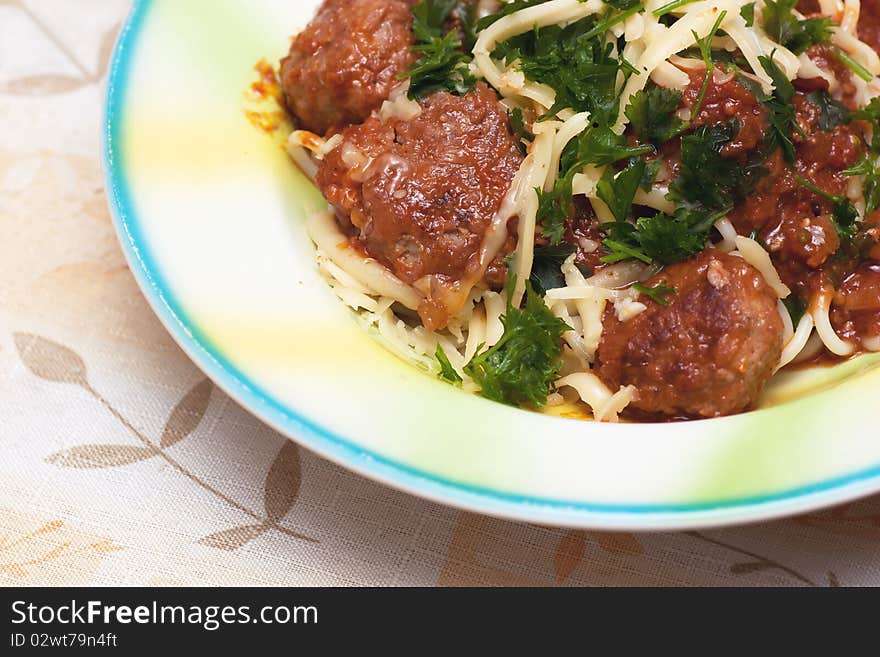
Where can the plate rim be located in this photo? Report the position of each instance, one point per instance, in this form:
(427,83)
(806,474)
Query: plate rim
(346,452)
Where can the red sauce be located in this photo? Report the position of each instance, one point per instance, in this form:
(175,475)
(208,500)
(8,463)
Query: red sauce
(727,99)
(794,223)
(869,23)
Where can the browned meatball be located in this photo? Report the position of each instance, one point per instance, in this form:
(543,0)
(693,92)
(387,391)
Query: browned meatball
(710,352)
(419,194)
(345,63)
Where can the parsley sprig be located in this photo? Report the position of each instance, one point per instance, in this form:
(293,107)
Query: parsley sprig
(706,177)
(867,166)
(781,112)
(652,114)
(785,28)
(575,60)
(843,213)
(658,293)
(599,146)
(662,238)
(547,266)
(522,367)
(441,65)
(447,371)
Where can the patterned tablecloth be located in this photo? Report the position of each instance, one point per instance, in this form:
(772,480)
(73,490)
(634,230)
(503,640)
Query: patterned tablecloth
(90,383)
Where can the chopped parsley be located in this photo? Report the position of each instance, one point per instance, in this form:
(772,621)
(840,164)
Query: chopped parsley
(547,266)
(867,167)
(870,113)
(853,65)
(522,367)
(505,10)
(599,146)
(785,28)
(652,114)
(662,238)
(669,7)
(518,125)
(618,191)
(843,213)
(658,293)
(575,60)
(796,307)
(781,114)
(831,112)
(748,14)
(706,177)
(447,371)
(554,208)
(442,65)
(705,46)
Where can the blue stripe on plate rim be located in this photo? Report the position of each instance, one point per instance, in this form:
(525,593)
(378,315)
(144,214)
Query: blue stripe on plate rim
(347,453)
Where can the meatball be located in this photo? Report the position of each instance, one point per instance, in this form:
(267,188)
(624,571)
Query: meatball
(418,194)
(709,353)
(345,63)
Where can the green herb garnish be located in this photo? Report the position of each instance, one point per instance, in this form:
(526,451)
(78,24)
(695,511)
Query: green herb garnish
(547,267)
(843,214)
(854,66)
(705,46)
(781,110)
(652,114)
(831,112)
(867,167)
(522,367)
(575,60)
(618,191)
(669,7)
(663,238)
(706,177)
(441,64)
(658,293)
(748,14)
(797,35)
(447,371)
(599,146)
(796,308)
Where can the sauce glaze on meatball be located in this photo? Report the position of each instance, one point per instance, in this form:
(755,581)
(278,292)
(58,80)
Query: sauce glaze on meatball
(345,63)
(709,353)
(419,194)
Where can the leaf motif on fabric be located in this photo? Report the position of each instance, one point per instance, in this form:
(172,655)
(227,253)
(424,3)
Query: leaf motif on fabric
(50,360)
(750,567)
(43,85)
(187,415)
(282,483)
(92,457)
(619,543)
(106,50)
(233,539)
(572,549)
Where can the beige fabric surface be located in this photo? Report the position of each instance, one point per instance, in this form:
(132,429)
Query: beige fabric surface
(90,384)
